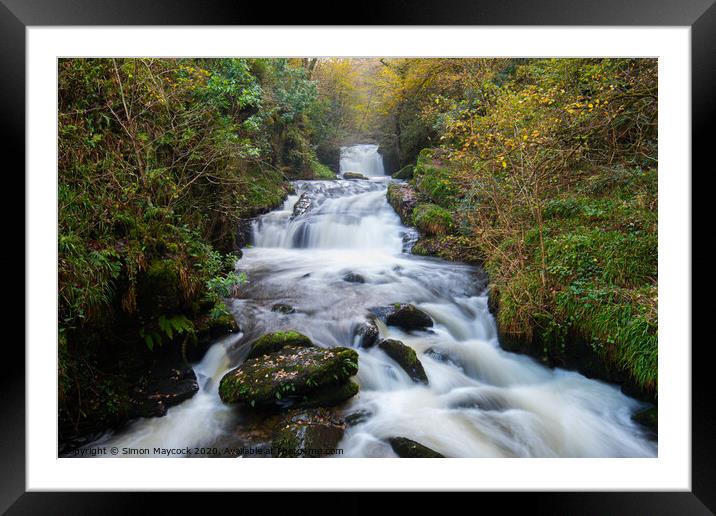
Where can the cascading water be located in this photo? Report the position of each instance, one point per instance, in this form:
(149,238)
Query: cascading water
(481,401)
(363,159)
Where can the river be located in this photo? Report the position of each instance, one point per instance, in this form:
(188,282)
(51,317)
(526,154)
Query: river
(481,401)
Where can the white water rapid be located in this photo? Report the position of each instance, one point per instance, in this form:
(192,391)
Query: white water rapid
(481,401)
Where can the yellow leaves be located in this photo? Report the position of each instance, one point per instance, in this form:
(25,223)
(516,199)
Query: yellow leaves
(504,165)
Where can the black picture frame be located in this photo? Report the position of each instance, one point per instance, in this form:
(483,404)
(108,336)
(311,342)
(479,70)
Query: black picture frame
(700,15)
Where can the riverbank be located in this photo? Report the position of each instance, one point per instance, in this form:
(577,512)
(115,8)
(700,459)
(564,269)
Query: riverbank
(159,161)
(595,311)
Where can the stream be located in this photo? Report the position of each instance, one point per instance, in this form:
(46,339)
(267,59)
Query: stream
(481,401)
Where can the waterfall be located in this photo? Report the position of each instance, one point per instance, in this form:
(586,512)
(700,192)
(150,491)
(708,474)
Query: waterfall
(481,401)
(363,159)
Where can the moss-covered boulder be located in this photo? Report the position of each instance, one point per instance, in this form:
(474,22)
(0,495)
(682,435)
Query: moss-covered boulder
(409,449)
(214,324)
(353,175)
(403,199)
(408,317)
(431,219)
(320,171)
(404,173)
(291,376)
(406,358)
(307,433)
(272,342)
(329,396)
(435,178)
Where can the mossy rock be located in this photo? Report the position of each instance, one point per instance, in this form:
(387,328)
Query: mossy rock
(403,198)
(329,396)
(408,317)
(434,179)
(404,173)
(431,219)
(453,248)
(320,171)
(272,342)
(307,433)
(289,376)
(353,175)
(409,449)
(406,358)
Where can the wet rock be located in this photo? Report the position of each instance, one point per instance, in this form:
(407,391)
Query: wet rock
(167,386)
(442,356)
(283,308)
(353,175)
(358,417)
(307,433)
(649,418)
(302,205)
(244,233)
(408,317)
(272,342)
(403,198)
(328,397)
(368,333)
(292,375)
(208,329)
(404,173)
(352,277)
(409,449)
(406,358)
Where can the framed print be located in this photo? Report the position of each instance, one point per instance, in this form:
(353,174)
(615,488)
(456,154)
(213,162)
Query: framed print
(462,232)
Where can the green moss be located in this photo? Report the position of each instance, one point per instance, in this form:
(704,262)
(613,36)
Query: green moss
(329,396)
(406,357)
(289,373)
(321,171)
(309,433)
(404,173)
(431,219)
(272,342)
(454,248)
(435,179)
(601,265)
(265,189)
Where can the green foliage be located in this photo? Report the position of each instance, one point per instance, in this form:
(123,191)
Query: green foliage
(321,171)
(432,219)
(547,168)
(435,180)
(158,161)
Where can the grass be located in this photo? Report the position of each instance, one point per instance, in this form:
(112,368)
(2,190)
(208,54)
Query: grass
(600,256)
(432,219)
